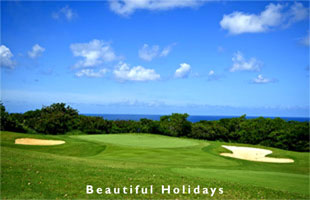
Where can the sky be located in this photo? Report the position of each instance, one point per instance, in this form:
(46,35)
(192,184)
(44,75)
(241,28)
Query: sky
(157,57)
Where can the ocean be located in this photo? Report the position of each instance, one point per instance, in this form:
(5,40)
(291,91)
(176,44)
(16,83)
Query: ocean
(191,118)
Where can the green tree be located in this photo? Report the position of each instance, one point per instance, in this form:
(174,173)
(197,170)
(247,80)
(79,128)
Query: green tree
(209,130)
(4,117)
(9,122)
(148,126)
(54,119)
(175,125)
(94,125)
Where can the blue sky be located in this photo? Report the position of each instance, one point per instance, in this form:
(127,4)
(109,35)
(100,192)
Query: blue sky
(157,57)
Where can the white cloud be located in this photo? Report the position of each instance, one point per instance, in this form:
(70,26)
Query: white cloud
(91,73)
(211,72)
(183,71)
(241,64)
(306,40)
(238,22)
(148,53)
(127,7)
(166,50)
(297,13)
(138,73)
(6,57)
(36,51)
(273,16)
(261,80)
(65,12)
(212,76)
(93,53)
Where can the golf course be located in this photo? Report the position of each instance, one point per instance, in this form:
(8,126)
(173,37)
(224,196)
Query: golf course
(64,170)
(154,100)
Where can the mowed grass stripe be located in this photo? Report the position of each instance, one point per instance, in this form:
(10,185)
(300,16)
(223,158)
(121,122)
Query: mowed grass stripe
(282,181)
(180,157)
(140,140)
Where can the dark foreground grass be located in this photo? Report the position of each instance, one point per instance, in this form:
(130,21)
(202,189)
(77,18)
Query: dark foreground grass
(63,171)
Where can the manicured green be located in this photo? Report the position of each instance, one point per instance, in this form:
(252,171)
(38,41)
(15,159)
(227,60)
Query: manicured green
(118,160)
(140,140)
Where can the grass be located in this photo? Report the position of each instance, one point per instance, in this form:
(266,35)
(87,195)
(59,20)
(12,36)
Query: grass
(138,140)
(63,171)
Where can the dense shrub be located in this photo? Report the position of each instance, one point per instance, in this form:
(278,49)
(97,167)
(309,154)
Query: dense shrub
(10,122)
(209,130)
(149,126)
(175,125)
(94,125)
(54,119)
(60,119)
(125,126)
(4,117)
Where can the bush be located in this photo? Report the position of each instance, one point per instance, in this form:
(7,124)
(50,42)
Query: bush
(54,119)
(209,130)
(9,122)
(60,119)
(175,125)
(93,125)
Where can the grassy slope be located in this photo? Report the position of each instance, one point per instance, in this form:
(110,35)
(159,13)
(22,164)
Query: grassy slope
(122,160)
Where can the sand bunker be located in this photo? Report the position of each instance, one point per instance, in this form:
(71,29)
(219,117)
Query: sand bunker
(253,154)
(31,141)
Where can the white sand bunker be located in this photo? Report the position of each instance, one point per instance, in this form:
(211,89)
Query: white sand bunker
(253,154)
(31,141)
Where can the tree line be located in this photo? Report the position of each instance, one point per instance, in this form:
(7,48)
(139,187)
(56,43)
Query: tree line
(60,118)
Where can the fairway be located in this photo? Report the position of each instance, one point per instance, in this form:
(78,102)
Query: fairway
(255,178)
(140,140)
(117,160)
